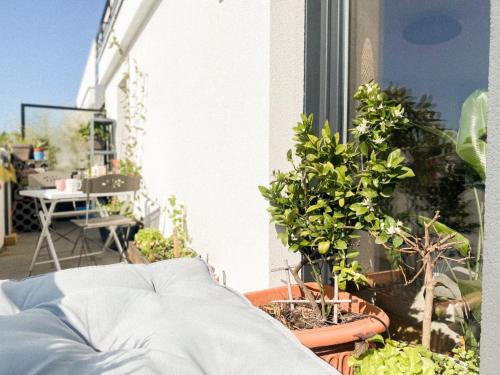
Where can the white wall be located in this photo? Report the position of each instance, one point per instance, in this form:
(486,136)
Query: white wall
(224,86)
(86,94)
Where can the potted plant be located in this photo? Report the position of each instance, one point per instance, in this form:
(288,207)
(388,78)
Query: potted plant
(150,245)
(101,135)
(19,146)
(39,149)
(333,190)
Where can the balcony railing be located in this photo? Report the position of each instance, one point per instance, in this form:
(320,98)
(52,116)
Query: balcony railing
(111,10)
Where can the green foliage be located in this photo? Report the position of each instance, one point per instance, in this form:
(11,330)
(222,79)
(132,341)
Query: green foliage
(177,215)
(461,362)
(100,131)
(336,188)
(471,137)
(115,207)
(129,168)
(396,358)
(155,247)
(42,143)
(462,244)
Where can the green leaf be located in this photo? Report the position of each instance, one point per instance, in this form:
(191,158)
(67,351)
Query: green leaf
(471,291)
(463,243)
(325,132)
(264,191)
(283,237)
(340,245)
(408,172)
(379,168)
(397,241)
(379,339)
(471,138)
(340,148)
(323,247)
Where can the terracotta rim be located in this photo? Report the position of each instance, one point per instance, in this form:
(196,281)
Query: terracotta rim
(333,335)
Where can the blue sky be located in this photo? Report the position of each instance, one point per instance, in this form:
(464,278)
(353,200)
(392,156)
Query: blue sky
(43,49)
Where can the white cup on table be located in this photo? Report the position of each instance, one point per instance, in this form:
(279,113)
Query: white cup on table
(72,185)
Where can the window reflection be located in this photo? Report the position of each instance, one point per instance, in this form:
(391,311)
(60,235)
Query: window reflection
(431,56)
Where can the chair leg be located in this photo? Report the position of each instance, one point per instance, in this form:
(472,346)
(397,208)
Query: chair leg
(82,246)
(118,244)
(91,259)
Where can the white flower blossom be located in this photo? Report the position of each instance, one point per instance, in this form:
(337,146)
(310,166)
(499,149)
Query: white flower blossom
(368,203)
(399,112)
(362,128)
(395,229)
(378,141)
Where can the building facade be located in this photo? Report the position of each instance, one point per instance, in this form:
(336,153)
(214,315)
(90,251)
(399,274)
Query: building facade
(221,83)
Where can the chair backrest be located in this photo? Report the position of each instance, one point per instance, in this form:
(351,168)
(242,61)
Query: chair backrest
(46,179)
(112,183)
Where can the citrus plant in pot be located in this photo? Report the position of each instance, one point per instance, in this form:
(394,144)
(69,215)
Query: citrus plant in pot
(333,190)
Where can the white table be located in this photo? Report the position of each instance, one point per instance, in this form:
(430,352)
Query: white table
(50,198)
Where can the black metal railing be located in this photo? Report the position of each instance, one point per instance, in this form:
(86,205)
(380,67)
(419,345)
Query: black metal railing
(109,14)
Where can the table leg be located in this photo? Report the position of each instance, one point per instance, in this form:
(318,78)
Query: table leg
(45,218)
(52,248)
(39,243)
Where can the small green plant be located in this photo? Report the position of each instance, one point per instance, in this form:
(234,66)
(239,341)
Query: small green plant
(115,207)
(129,168)
(100,132)
(41,144)
(154,246)
(335,189)
(395,358)
(177,215)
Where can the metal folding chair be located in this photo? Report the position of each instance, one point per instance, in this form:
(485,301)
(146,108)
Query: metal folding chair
(113,185)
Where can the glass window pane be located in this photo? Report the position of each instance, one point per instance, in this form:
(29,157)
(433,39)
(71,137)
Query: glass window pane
(432,55)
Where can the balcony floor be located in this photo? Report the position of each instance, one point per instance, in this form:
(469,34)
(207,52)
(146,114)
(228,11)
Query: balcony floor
(15,260)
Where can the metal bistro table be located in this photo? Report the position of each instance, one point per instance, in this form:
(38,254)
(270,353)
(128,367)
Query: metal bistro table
(49,198)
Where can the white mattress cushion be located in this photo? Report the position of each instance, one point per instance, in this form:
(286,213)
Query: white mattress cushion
(165,318)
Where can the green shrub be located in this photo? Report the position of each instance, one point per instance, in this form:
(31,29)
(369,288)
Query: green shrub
(396,358)
(335,189)
(155,247)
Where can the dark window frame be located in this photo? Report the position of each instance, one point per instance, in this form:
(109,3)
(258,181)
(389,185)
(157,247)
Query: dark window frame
(326,59)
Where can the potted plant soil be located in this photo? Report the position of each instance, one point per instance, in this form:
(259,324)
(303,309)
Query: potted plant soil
(333,190)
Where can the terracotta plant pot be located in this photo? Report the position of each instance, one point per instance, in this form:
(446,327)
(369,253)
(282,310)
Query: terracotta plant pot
(134,255)
(21,151)
(384,278)
(336,343)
